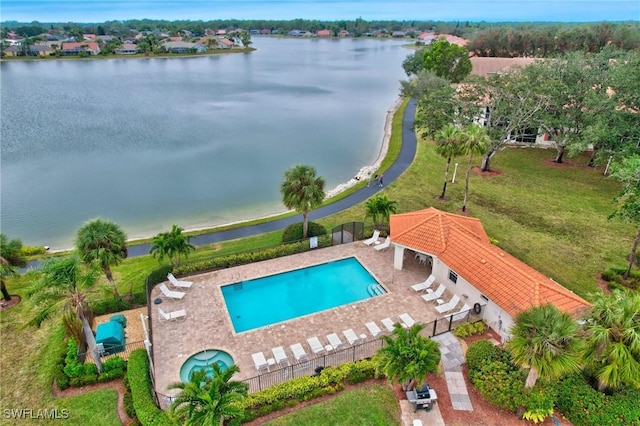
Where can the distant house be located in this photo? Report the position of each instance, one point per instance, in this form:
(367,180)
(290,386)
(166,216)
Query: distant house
(221,32)
(89,37)
(265,31)
(75,48)
(41,50)
(343,33)
(324,33)
(453,39)
(127,49)
(224,43)
(177,38)
(427,37)
(398,34)
(105,38)
(295,33)
(254,32)
(183,47)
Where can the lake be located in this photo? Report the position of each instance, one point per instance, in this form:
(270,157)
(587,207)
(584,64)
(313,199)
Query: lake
(196,142)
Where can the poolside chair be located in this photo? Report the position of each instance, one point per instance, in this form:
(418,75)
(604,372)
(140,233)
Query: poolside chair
(373,239)
(462,313)
(335,341)
(388,324)
(385,245)
(316,346)
(260,362)
(352,338)
(449,305)
(298,352)
(424,286)
(279,355)
(407,321)
(434,295)
(373,329)
(173,295)
(171,316)
(178,283)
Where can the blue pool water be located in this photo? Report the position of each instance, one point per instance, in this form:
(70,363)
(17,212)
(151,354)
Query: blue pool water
(275,298)
(203,360)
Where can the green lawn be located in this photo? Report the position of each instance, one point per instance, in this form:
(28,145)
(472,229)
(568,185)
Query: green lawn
(371,405)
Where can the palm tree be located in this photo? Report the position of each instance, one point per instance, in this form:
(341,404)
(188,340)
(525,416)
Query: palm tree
(63,286)
(10,257)
(209,400)
(545,340)
(475,141)
(379,207)
(448,142)
(172,244)
(612,348)
(302,191)
(102,242)
(407,356)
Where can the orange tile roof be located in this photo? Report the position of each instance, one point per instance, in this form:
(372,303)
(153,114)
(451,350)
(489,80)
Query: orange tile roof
(463,245)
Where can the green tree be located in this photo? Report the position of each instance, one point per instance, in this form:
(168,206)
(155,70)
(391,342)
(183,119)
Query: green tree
(627,171)
(63,286)
(172,244)
(302,191)
(104,243)
(206,400)
(448,60)
(436,101)
(11,257)
(449,144)
(546,341)
(612,344)
(407,357)
(379,209)
(414,63)
(475,140)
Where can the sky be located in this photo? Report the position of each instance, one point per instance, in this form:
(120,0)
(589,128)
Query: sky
(326,10)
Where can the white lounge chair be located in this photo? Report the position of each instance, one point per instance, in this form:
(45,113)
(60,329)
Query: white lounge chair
(373,239)
(352,338)
(385,245)
(279,355)
(462,313)
(335,341)
(407,321)
(373,329)
(434,295)
(260,362)
(174,295)
(298,352)
(316,346)
(388,324)
(424,286)
(178,283)
(171,316)
(449,305)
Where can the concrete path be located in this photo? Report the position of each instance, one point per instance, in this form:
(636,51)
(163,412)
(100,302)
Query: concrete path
(452,360)
(428,418)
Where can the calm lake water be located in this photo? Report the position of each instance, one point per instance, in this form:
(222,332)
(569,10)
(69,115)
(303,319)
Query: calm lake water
(194,141)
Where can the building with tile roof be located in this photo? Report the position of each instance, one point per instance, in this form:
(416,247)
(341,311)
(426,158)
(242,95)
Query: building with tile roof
(480,273)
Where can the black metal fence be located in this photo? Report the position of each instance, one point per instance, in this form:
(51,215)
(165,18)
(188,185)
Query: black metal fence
(128,348)
(347,233)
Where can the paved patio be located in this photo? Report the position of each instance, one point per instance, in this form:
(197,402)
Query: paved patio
(208,325)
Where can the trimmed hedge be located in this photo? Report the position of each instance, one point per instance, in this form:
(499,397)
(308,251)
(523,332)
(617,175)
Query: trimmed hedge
(70,372)
(113,305)
(290,393)
(247,257)
(293,232)
(140,383)
(585,406)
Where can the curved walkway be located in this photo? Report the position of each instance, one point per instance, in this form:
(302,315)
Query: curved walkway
(407,153)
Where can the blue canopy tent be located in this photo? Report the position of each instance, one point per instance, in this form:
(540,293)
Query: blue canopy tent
(111,336)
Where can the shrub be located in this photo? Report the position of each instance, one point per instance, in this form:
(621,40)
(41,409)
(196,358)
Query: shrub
(32,250)
(62,380)
(501,384)
(128,399)
(484,351)
(140,382)
(470,329)
(615,280)
(72,367)
(293,232)
(114,363)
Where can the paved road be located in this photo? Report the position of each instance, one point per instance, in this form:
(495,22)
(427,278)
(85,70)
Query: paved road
(407,153)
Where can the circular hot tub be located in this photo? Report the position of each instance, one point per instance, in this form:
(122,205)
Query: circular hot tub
(202,361)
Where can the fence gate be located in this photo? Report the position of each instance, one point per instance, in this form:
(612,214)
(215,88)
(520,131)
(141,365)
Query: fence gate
(347,233)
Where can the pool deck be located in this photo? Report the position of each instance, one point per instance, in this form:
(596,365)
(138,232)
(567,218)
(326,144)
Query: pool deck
(208,326)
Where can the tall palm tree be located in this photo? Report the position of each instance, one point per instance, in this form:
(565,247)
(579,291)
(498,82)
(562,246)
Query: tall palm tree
(102,242)
(546,341)
(448,143)
(10,257)
(209,400)
(407,356)
(380,207)
(612,347)
(63,286)
(475,141)
(302,191)
(172,244)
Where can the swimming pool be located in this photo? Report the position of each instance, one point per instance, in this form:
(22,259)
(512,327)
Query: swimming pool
(276,298)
